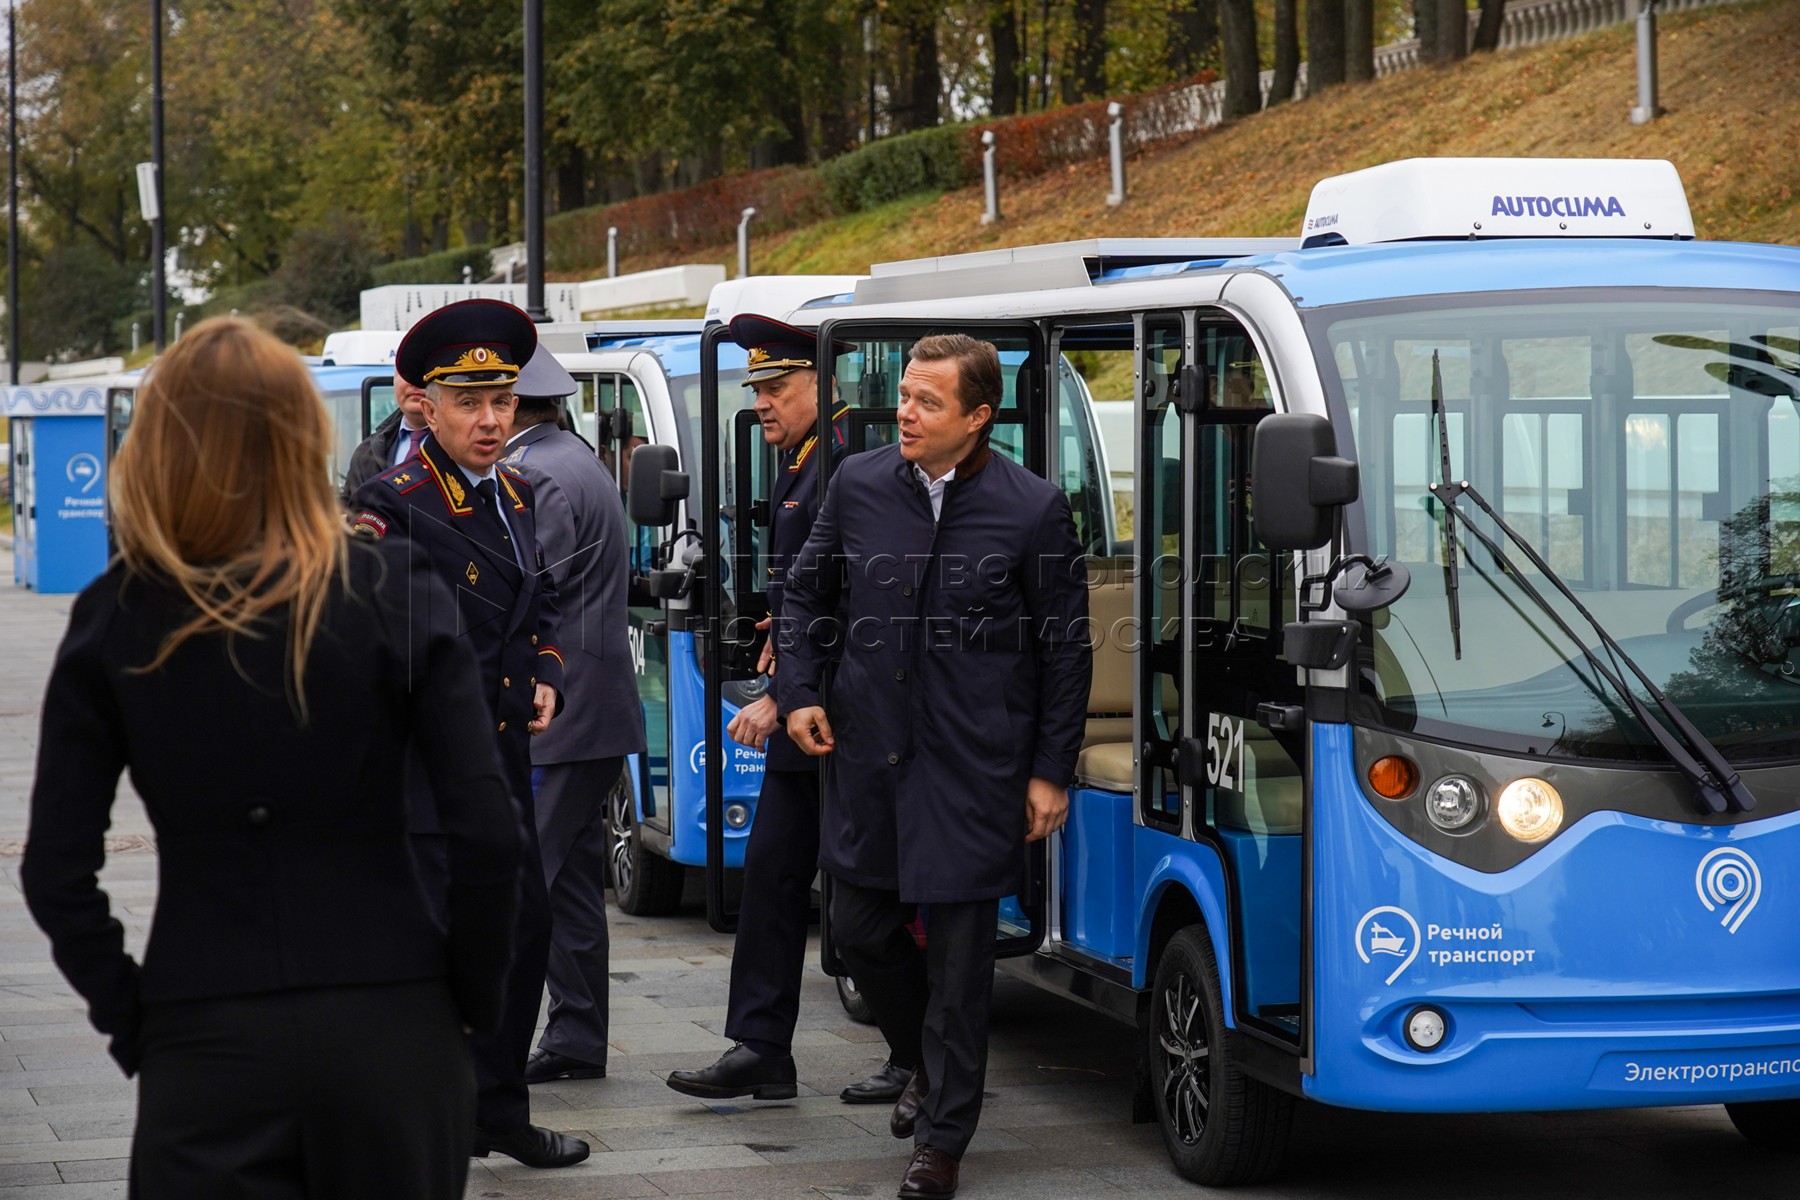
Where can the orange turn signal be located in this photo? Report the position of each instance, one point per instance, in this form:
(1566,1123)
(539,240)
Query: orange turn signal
(1393,777)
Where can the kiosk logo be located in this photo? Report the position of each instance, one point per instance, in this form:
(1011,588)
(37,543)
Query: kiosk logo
(1395,937)
(1728,878)
(83,469)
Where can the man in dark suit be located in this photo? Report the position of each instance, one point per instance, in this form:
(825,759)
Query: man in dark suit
(783,854)
(472,519)
(959,705)
(581,523)
(392,442)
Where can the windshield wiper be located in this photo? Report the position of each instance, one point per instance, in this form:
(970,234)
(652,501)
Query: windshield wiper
(1717,787)
(1452,568)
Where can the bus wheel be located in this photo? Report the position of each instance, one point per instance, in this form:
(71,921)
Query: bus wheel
(646,884)
(855,1003)
(1219,1126)
(1774,1124)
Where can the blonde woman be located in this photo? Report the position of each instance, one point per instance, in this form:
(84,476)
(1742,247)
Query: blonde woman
(298,1019)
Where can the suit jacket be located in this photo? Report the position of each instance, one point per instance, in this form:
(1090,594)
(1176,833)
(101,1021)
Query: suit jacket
(283,844)
(581,524)
(793,506)
(373,455)
(964,672)
(505,612)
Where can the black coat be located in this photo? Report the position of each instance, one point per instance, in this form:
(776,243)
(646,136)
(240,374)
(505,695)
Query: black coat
(793,507)
(508,616)
(964,673)
(284,850)
(373,455)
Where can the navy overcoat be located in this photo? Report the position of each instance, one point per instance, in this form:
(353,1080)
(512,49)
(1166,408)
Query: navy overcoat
(964,672)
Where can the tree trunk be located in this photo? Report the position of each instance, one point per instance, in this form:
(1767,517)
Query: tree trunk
(923,79)
(1085,78)
(1453,30)
(1287,52)
(1324,44)
(1003,38)
(1359,40)
(1237,28)
(1487,34)
(571,181)
(1425,24)
(1193,34)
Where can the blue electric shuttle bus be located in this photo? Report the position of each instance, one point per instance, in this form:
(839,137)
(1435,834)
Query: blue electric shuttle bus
(1443,749)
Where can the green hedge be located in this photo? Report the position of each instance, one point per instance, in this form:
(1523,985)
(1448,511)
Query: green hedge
(443,267)
(925,160)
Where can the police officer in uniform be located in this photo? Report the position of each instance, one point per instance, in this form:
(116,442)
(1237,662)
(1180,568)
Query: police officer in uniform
(472,519)
(783,854)
(581,523)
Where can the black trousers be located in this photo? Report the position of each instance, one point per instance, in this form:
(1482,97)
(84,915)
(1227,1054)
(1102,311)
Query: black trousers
(770,954)
(939,997)
(502,1101)
(571,799)
(345,1092)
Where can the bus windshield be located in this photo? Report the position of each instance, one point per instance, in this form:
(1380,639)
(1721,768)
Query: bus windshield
(1647,444)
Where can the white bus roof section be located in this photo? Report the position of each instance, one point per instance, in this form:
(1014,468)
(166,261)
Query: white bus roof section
(1047,267)
(360,348)
(1419,198)
(774,295)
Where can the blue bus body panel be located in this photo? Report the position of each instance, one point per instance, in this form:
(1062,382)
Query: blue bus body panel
(1330,275)
(1163,862)
(1098,914)
(1268,876)
(1597,973)
(687,763)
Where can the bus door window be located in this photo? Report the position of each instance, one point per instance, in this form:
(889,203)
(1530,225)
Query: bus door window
(1160,546)
(1253,783)
(378,403)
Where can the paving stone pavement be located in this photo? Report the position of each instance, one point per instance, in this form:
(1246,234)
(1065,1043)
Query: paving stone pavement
(1057,1123)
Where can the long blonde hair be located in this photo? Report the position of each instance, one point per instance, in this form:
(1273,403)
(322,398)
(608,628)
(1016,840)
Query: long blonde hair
(221,489)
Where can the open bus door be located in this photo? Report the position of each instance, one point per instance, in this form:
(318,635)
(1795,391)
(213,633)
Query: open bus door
(378,402)
(867,376)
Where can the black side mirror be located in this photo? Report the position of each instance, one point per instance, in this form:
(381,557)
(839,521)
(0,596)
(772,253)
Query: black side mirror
(656,485)
(1299,480)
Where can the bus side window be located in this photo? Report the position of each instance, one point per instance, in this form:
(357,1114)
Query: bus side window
(1161,558)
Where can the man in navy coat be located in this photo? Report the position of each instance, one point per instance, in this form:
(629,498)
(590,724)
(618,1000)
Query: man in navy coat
(952,723)
(472,520)
(783,855)
(581,523)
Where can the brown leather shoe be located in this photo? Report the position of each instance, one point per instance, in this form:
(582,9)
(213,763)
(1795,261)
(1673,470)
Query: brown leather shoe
(906,1110)
(930,1176)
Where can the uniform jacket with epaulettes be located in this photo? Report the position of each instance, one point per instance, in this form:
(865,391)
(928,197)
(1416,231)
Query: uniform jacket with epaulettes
(507,614)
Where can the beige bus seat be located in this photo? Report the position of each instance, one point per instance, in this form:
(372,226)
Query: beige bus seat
(1106,748)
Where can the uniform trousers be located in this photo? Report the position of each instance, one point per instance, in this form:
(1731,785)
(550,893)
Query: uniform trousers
(348,1092)
(502,1101)
(770,955)
(571,804)
(938,997)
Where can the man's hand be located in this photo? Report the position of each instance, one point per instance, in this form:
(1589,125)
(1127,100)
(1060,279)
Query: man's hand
(543,700)
(1046,808)
(754,723)
(811,731)
(765,662)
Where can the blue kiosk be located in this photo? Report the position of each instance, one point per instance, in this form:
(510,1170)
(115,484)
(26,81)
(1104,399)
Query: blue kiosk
(58,436)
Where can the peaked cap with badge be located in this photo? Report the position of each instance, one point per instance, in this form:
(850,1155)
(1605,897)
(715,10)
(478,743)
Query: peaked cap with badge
(777,348)
(471,343)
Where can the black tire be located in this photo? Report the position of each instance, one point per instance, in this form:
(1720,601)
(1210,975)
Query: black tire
(1773,1124)
(646,884)
(1219,1126)
(856,1005)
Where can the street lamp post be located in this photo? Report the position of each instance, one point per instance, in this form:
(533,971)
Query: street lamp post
(158,287)
(744,242)
(12,203)
(534,160)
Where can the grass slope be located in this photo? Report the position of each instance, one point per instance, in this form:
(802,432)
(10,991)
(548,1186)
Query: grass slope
(1730,81)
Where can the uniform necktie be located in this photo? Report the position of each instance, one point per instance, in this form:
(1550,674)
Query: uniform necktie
(489,494)
(413,438)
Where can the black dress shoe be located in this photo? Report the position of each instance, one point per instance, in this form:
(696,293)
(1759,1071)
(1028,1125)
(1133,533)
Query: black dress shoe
(906,1111)
(883,1087)
(930,1176)
(532,1145)
(740,1071)
(546,1065)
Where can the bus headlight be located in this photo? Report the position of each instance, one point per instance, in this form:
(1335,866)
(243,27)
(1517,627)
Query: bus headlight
(1453,802)
(1529,809)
